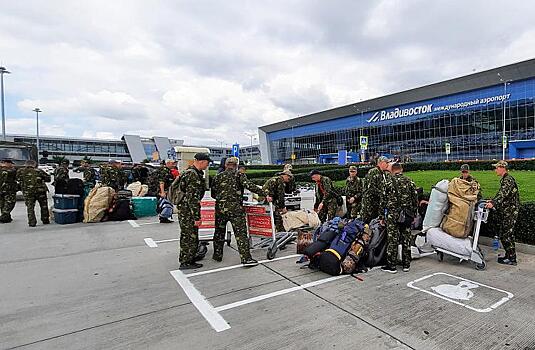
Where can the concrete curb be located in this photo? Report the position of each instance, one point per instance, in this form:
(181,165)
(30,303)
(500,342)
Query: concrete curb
(520,247)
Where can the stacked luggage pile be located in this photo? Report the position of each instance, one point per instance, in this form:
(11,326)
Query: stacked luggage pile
(342,246)
(449,220)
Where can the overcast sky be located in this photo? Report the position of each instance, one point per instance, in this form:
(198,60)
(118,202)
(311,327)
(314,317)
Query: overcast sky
(211,71)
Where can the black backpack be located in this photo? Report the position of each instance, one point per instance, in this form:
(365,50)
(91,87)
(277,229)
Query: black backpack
(75,186)
(376,254)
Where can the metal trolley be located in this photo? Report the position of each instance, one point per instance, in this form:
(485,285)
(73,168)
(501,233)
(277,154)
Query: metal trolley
(261,224)
(481,215)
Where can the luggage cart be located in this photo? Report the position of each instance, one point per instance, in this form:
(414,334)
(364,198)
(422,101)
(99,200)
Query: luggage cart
(261,224)
(481,214)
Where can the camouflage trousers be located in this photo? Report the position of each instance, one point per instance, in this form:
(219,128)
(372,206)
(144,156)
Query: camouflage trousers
(189,236)
(353,210)
(237,220)
(507,233)
(42,199)
(370,208)
(397,235)
(7,203)
(328,211)
(277,217)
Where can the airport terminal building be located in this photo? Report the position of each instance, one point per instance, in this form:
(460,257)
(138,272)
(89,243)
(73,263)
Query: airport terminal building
(467,113)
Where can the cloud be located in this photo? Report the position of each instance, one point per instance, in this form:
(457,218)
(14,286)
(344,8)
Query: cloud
(210,71)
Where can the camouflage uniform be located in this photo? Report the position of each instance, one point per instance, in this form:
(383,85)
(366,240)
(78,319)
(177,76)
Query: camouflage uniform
(112,177)
(374,184)
(189,211)
(8,192)
(164,175)
(61,176)
(227,189)
(401,196)
(507,204)
(354,189)
(33,184)
(274,188)
(326,194)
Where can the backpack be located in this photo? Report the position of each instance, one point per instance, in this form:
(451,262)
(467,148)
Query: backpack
(175,194)
(165,208)
(342,243)
(75,186)
(376,254)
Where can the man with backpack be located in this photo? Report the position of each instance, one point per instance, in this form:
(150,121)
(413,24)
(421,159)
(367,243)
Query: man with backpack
(187,197)
(327,198)
(373,190)
(165,179)
(353,192)
(227,189)
(401,208)
(61,176)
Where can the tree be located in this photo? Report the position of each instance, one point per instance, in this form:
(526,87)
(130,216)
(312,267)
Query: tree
(58,159)
(88,159)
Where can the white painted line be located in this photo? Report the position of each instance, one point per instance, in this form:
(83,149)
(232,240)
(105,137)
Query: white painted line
(206,309)
(488,309)
(133,223)
(150,242)
(168,240)
(239,265)
(277,293)
(148,223)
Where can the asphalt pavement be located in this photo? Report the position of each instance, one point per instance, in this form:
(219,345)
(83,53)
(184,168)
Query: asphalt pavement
(115,285)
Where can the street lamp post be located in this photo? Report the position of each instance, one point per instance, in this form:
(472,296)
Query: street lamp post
(3,71)
(251,135)
(37,111)
(505,83)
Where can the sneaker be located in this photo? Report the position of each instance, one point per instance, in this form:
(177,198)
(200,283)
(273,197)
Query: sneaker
(165,221)
(390,269)
(249,262)
(190,266)
(507,261)
(406,268)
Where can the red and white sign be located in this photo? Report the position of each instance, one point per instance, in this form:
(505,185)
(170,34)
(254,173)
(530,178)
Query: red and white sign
(207,226)
(259,221)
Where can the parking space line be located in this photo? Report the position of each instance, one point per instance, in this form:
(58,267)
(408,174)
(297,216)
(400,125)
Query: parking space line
(200,273)
(206,309)
(154,244)
(277,293)
(133,223)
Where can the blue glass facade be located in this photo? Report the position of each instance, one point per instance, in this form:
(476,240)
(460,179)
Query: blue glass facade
(471,121)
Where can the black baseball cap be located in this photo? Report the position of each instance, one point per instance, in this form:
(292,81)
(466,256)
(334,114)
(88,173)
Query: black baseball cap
(314,172)
(202,156)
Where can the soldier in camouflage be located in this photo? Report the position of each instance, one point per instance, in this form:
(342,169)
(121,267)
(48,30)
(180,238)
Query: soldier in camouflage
(401,205)
(290,186)
(374,186)
(274,189)
(465,175)
(33,184)
(8,189)
(112,175)
(353,193)
(327,199)
(227,189)
(507,204)
(61,176)
(89,175)
(192,184)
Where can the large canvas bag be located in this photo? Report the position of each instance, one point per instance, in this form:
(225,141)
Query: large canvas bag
(299,218)
(440,239)
(438,205)
(97,202)
(462,197)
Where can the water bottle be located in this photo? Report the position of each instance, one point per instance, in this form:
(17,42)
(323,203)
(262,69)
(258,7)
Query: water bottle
(495,243)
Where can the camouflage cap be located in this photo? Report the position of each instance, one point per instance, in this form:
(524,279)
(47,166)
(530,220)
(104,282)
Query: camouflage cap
(314,172)
(353,168)
(465,167)
(501,164)
(232,160)
(382,159)
(289,173)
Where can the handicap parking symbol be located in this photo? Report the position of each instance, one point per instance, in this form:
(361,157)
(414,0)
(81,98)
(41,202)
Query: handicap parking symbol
(472,295)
